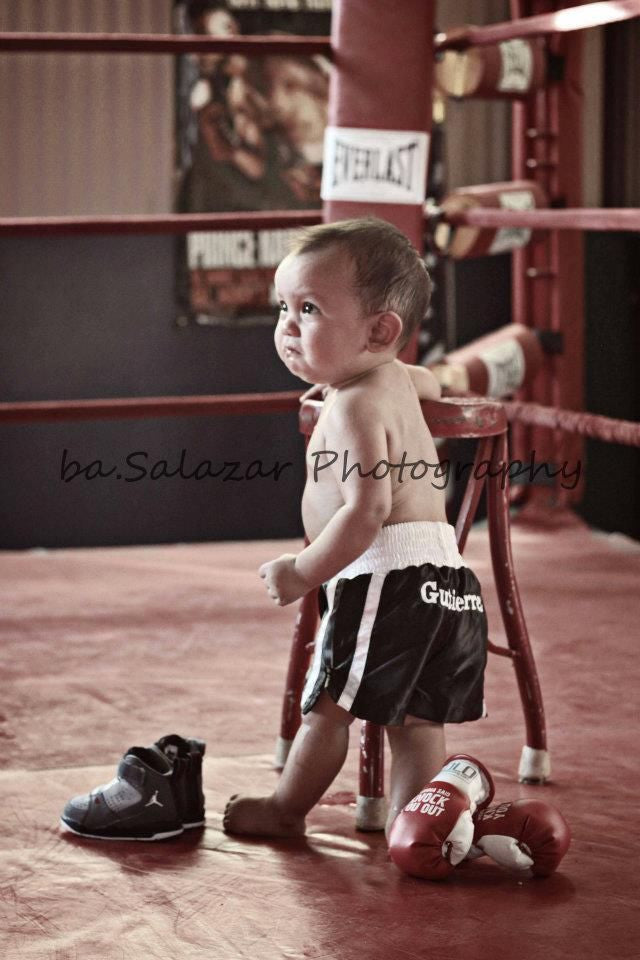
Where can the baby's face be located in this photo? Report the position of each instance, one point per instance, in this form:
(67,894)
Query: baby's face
(321,334)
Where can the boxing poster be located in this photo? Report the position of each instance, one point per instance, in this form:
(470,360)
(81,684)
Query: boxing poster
(249,136)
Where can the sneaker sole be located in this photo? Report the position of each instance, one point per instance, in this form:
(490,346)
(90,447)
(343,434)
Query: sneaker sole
(98,836)
(191,826)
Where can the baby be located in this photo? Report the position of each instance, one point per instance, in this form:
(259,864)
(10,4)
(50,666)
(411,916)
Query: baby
(403,636)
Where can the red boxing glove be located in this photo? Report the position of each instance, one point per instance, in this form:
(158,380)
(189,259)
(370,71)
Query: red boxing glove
(434,832)
(527,837)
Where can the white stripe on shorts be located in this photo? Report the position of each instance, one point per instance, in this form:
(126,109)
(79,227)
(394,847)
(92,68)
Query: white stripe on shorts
(363,640)
(316,664)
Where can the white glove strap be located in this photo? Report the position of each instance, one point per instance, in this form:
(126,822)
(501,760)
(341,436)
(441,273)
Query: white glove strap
(506,852)
(456,847)
(468,778)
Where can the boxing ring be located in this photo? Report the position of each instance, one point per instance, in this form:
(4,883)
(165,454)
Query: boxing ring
(103,644)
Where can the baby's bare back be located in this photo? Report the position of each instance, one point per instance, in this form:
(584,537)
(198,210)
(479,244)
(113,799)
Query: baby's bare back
(410,463)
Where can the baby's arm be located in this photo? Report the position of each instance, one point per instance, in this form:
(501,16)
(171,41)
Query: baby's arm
(354,426)
(425,382)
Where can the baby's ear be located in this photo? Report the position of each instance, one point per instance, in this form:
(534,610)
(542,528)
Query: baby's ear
(384,332)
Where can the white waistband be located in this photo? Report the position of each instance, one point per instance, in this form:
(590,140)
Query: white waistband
(407,545)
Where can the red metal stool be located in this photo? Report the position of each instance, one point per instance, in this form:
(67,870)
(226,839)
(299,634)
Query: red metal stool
(468,417)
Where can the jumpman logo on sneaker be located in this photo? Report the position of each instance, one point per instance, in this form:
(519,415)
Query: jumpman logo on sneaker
(154,799)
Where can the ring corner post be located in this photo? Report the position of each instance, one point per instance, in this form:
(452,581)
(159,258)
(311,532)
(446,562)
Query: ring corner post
(380,103)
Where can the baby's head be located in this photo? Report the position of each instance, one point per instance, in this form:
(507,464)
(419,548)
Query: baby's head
(358,286)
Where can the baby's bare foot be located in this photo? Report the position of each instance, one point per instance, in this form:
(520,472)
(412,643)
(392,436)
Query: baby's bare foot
(261,817)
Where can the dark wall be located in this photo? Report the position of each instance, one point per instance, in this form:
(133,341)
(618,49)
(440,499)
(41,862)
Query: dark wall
(94,317)
(612,358)
(612,302)
(482,296)
(611,500)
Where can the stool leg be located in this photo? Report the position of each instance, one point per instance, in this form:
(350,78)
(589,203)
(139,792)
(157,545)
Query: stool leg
(472,493)
(371,805)
(301,647)
(535,765)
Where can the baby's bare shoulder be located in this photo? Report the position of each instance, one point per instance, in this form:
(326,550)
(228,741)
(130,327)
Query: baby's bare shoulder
(356,403)
(372,399)
(373,389)
(354,408)
(423,380)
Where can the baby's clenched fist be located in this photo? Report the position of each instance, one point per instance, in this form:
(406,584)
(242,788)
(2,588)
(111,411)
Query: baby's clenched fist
(283,582)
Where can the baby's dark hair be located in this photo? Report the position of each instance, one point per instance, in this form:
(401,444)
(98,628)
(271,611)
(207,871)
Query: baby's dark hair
(389,272)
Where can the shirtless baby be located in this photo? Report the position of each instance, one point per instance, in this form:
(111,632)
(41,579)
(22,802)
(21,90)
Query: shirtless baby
(403,637)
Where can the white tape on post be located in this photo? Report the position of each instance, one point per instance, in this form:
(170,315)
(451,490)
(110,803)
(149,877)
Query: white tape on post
(516,66)
(506,366)
(510,238)
(374,166)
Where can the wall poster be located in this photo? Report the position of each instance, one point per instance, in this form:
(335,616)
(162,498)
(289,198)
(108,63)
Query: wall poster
(249,136)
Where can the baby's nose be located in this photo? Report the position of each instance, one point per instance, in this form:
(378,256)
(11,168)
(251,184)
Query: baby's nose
(290,327)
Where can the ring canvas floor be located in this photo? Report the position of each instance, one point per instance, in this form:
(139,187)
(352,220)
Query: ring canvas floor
(106,648)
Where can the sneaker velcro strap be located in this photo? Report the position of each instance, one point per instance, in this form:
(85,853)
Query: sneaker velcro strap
(131,771)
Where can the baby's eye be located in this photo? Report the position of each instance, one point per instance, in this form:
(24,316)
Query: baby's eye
(308,307)
(282,307)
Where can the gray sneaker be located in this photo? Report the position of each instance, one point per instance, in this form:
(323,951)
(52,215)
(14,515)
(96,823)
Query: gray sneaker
(186,757)
(138,804)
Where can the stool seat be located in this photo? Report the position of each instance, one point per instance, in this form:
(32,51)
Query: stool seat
(459,417)
(468,417)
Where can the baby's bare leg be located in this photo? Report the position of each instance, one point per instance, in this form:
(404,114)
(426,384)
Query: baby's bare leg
(417,754)
(315,759)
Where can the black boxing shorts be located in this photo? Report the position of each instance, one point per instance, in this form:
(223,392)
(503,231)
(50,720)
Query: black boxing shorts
(403,631)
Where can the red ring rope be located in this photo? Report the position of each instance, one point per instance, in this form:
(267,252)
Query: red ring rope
(585,16)
(560,21)
(161,43)
(592,425)
(607,429)
(623,218)
(130,408)
(158,223)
